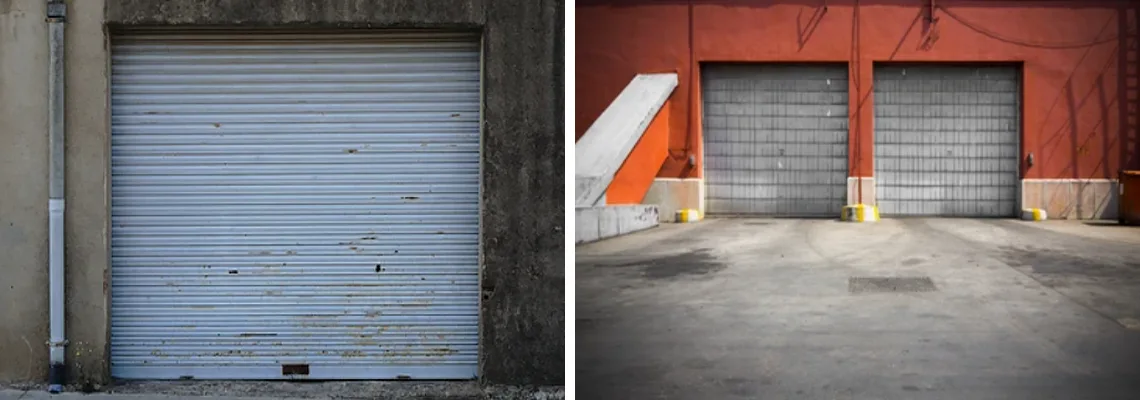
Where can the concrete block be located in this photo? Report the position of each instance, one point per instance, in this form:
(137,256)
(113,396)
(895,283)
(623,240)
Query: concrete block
(596,223)
(672,194)
(1072,198)
(867,189)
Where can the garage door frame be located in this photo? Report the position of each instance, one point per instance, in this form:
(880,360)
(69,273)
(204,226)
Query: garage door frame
(1018,126)
(478,37)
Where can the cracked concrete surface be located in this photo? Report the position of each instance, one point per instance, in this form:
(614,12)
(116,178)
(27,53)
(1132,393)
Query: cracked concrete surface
(760,308)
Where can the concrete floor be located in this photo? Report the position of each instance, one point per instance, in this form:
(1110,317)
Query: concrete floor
(286,390)
(749,308)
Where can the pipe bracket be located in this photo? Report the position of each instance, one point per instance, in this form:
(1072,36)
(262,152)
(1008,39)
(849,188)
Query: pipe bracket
(56,11)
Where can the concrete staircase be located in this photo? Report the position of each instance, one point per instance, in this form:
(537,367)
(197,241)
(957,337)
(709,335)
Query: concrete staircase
(629,140)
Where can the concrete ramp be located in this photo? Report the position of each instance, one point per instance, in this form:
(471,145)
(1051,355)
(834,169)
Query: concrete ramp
(608,142)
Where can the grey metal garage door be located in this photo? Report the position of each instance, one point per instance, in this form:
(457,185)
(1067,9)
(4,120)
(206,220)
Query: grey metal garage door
(946,140)
(775,139)
(295,206)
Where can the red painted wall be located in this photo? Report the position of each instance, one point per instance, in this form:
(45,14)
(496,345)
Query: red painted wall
(1078,69)
(636,174)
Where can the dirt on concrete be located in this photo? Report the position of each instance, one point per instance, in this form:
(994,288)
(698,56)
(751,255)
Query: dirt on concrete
(251,390)
(747,309)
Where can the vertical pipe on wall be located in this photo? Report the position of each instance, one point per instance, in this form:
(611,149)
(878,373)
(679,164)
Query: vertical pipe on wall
(690,158)
(855,60)
(56,14)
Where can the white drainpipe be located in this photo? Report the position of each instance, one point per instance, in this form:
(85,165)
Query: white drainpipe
(56,13)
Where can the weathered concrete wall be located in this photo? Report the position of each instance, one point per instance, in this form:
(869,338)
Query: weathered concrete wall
(524,246)
(523,239)
(88,215)
(23,202)
(354,13)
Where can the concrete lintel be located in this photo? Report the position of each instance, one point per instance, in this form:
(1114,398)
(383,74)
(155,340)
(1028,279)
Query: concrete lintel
(301,13)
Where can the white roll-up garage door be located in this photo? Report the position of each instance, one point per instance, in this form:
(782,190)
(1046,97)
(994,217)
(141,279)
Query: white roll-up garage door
(946,140)
(294,205)
(775,139)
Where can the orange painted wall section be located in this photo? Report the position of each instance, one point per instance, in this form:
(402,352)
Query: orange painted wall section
(636,174)
(1078,62)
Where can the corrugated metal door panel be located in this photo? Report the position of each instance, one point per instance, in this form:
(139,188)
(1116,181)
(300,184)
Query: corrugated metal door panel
(775,139)
(946,140)
(286,199)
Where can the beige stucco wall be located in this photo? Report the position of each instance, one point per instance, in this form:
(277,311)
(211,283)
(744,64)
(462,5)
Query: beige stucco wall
(23,179)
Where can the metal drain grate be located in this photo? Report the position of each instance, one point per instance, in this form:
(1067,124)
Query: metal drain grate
(890,284)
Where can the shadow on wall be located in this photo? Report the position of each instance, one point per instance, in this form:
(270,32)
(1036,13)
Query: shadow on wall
(1110,99)
(1114,98)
